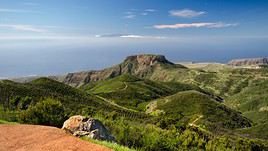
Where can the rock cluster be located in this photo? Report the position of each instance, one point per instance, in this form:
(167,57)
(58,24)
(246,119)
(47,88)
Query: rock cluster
(249,62)
(82,126)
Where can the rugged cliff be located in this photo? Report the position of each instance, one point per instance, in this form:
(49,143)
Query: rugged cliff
(249,62)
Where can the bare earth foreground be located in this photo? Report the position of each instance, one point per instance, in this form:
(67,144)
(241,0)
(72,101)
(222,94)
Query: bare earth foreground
(42,138)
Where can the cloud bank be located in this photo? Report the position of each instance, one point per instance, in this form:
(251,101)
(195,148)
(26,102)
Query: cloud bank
(130,36)
(130,16)
(6,10)
(30,4)
(133,13)
(194,25)
(150,10)
(186,13)
(23,28)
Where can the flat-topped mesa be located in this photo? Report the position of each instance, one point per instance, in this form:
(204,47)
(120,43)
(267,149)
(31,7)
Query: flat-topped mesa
(249,62)
(138,65)
(147,59)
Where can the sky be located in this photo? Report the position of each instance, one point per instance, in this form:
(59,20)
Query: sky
(46,37)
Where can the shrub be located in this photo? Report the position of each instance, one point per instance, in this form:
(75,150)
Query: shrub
(24,103)
(47,112)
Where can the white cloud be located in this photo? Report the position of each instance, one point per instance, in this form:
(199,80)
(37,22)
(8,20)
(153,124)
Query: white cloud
(147,12)
(186,13)
(108,35)
(30,4)
(129,13)
(150,10)
(23,28)
(19,37)
(194,25)
(142,37)
(222,25)
(130,16)
(5,10)
(144,14)
(130,36)
(133,13)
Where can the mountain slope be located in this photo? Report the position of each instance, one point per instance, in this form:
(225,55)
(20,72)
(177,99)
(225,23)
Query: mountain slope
(252,101)
(41,88)
(190,105)
(130,91)
(139,65)
(184,106)
(19,96)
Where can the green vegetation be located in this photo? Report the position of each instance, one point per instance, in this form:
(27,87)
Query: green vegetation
(253,103)
(130,91)
(46,112)
(221,82)
(145,137)
(162,107)
(17,97)
(186,106)
(6,122)
(8,115)
(264,66)
(113,146)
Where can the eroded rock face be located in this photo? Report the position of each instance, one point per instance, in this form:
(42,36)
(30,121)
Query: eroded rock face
(82,126)
(138,65)
(141,65)
(249,62)
(147,59)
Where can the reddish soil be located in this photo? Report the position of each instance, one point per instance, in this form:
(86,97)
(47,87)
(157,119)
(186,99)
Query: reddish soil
(42,138)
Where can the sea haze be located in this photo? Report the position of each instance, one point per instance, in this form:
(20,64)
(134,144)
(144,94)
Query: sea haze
(45,37)
(50,59)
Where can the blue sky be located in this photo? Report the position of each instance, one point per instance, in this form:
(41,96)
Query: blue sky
(39,37)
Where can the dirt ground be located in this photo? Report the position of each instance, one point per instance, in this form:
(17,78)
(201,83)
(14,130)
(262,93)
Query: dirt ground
(42,138)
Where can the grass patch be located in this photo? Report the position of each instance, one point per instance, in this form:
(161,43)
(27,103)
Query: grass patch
(113,146)
(6,122)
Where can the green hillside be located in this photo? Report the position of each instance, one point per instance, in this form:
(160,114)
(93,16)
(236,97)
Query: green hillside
(149,103)
(224,83)
(253,103)
(39,89)
(17,97)
(190,105)
(130,91)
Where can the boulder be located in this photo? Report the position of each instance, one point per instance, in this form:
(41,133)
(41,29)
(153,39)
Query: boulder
(73,123)
(81,126)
